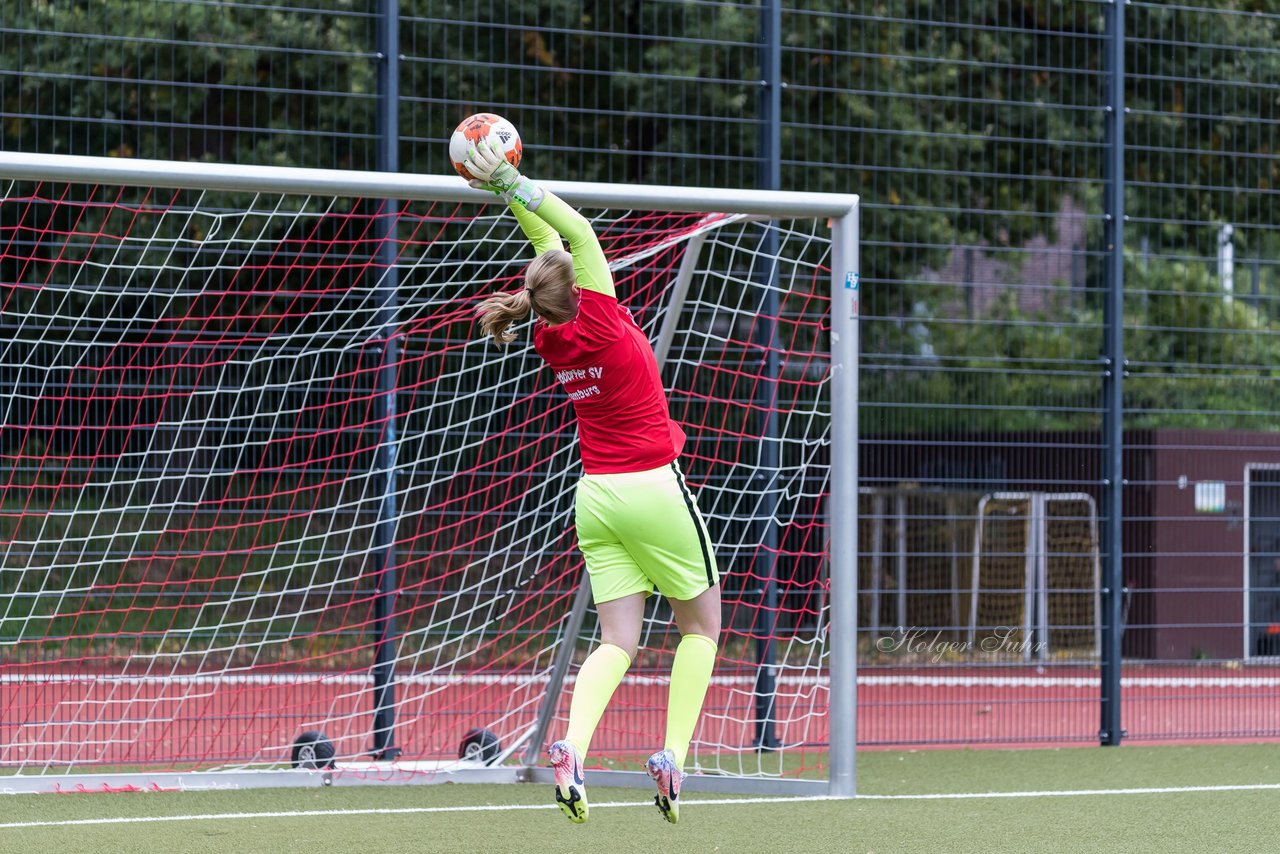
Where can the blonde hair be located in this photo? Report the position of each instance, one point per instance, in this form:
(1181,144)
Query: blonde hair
(547,292)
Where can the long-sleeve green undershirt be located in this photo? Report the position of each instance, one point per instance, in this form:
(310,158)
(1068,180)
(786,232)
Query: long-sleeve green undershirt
(554,219)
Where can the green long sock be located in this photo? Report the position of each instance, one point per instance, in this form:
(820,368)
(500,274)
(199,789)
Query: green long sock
(690,675)
(598,677)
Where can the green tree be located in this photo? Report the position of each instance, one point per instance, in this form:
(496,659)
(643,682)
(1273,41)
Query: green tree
(958,125)
(1199,357)
(1201,131)
(246,84)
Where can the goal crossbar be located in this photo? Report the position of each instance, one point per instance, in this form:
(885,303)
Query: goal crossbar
(388,185)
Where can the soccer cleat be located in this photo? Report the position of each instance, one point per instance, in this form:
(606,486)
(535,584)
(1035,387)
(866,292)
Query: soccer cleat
(571,788)
(662,768)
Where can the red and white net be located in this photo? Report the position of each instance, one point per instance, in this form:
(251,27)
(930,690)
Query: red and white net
(207,478)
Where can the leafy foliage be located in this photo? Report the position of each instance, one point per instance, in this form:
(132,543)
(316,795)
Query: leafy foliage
(959,125)
(248,84)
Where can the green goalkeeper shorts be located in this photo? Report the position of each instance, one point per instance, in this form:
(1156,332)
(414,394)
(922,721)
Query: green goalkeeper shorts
(641,530)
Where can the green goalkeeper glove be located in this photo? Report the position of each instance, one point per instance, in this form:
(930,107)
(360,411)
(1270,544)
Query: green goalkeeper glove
(487,162)
(477,184)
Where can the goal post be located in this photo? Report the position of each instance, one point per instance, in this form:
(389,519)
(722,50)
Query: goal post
(262,524)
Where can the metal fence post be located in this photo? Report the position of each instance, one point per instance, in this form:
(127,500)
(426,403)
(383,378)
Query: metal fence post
(765,568)
(384,231)
(1110,732)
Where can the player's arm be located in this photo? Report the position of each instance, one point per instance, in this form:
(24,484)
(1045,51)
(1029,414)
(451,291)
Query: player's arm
(492,171)
(521,194)
(589,264)
(543,237)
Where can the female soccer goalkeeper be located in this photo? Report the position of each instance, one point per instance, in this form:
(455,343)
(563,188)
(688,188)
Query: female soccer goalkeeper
(638,526)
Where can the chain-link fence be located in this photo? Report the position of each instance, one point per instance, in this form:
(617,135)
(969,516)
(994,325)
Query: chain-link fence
(982,139)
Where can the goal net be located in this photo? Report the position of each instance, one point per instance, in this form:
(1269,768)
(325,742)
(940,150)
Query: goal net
(264,478)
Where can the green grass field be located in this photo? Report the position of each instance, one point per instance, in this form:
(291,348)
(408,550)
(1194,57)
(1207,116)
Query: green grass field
(1127,799)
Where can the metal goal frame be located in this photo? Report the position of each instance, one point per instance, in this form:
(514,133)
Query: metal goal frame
(841,211)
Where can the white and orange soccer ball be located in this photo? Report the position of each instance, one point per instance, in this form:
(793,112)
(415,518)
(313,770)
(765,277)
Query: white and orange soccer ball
(472,129)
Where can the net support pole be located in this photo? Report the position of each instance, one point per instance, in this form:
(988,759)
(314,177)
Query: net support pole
(676,299)
(1110,731)
(765,565)
(383,563)
(842,506)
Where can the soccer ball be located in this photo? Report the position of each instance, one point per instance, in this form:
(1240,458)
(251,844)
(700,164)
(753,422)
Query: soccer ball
(472,129)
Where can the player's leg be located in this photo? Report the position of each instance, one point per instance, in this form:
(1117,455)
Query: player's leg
(619,590)
(602,672)
(666,535)
(699,623)
(598,677)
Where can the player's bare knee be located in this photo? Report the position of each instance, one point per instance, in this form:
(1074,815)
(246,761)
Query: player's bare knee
(627,644)
(712,633)
(707,626)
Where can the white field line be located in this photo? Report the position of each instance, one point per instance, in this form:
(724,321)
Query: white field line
(1073,793)
(76,822)
(1071,681)
(944,796)
(440,679)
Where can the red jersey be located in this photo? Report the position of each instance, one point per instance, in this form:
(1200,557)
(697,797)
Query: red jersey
(605,363)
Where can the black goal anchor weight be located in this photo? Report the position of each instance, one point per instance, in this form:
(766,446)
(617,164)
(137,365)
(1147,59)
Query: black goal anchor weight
(480,745)
(312,750)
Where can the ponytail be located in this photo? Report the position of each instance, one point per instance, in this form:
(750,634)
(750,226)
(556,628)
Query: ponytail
(499,311)
(548,282)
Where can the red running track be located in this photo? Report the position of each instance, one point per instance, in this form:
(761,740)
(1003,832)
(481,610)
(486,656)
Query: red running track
(74,719)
